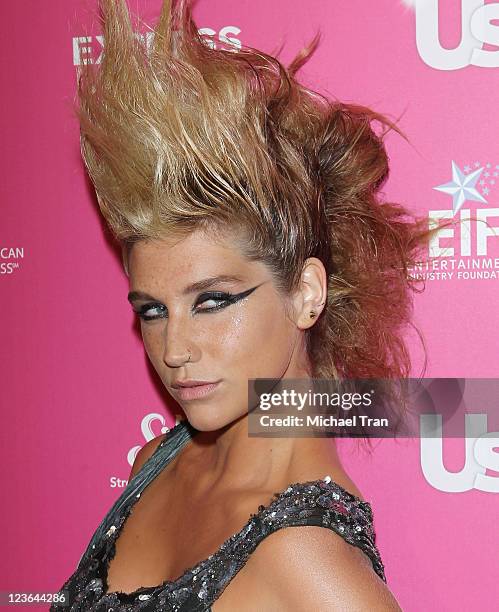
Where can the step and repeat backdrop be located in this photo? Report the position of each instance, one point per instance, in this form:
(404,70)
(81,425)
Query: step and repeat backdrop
(78,396)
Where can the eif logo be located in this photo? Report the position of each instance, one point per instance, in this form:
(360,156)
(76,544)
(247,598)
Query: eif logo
(467,251)
(473,183)
(479,26)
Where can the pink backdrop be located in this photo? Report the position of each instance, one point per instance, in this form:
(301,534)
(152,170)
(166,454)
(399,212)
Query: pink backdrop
(78,397)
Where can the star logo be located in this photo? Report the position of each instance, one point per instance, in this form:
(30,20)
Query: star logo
(462,187)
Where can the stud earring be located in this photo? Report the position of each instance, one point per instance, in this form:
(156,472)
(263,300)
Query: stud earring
(313,314)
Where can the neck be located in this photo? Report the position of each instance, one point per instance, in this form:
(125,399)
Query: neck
(228,459)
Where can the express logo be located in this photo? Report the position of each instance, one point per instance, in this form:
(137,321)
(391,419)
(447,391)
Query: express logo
(479,27)
(88,49)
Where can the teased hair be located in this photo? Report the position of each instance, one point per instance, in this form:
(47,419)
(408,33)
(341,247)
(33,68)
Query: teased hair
(178,135)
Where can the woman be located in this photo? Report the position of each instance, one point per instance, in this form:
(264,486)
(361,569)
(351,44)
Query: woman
(256,246)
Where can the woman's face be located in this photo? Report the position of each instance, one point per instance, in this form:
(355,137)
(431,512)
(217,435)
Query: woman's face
(234,328)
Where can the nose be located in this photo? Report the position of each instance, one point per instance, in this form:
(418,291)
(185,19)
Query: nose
(178,345)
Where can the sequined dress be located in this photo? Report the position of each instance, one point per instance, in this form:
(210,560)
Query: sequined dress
(320,503)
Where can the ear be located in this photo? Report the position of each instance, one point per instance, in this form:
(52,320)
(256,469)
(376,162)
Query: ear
(311,295)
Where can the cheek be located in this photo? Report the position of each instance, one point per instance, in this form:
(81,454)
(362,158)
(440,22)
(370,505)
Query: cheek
(153,340)
(255,343)
(258,344)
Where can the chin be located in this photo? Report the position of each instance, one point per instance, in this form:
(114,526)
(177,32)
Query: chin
(208,419)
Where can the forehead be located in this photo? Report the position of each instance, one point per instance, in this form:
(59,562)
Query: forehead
(181,249)
(182,259)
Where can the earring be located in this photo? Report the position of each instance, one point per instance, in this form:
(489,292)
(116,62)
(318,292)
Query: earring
(313,314)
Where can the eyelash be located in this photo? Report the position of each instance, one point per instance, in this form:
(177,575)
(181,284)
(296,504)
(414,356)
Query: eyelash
(225,298)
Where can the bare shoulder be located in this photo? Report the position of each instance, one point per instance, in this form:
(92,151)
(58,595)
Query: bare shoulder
(308,568)
(145,453)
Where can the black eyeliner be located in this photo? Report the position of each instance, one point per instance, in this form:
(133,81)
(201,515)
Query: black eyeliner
(243,294)
(231,298)
(226,297)
(145,307)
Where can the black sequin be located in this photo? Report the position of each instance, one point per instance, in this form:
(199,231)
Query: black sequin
(321,503)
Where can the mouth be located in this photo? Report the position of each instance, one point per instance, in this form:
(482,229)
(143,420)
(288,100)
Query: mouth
(195,391)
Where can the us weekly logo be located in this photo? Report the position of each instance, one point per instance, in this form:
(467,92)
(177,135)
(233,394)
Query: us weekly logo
(474,402)
(478,23)
(468,250)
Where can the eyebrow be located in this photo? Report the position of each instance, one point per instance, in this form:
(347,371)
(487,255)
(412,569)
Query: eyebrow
(205,283)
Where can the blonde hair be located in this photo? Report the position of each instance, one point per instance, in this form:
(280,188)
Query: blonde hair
(177,136)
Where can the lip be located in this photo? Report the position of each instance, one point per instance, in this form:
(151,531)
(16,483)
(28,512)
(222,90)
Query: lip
(191,391)
(192,382)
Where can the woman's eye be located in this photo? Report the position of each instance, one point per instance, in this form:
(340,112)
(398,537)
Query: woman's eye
(149,312)
(213,302)
(205,303)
